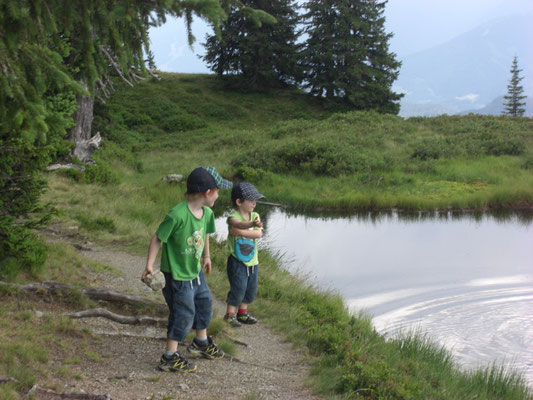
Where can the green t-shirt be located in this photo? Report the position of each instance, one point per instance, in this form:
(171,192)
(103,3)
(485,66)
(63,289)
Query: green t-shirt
(183,237)
(243,249)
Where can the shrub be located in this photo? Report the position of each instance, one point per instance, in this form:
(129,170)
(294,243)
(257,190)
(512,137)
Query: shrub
(498,145)
(181,122)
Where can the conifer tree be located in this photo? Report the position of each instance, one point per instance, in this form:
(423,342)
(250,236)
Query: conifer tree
(264,54)
(53,54)
(346,55)
(514,104)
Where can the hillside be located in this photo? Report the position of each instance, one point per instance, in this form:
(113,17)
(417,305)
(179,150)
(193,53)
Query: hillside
(289,145)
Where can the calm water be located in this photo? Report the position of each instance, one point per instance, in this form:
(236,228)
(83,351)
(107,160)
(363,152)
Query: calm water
(466,280)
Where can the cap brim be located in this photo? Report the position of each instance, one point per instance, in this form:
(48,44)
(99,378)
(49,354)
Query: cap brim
(225,184)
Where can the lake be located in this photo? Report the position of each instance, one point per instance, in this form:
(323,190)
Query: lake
(465,279)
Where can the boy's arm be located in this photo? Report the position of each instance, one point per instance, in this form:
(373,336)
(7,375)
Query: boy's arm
(155,245)
(206,257)
(255,234)
(235,223)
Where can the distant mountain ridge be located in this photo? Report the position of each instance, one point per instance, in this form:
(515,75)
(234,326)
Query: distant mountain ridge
(495,107)
(469,71)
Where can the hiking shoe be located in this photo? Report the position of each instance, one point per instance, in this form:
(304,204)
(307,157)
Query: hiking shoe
(232,320)
(210,350)
(175,363)
(246,318)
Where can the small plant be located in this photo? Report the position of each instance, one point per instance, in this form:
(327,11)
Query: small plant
(97,224)
(93,356)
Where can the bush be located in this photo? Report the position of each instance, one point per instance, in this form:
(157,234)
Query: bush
(319,157)
(181,122)
(20,250)
(497,146)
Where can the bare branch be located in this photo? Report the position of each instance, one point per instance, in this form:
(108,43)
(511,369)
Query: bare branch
(122,319)
(115,65)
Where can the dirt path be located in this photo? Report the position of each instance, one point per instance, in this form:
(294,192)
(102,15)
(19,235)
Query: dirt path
(272,369)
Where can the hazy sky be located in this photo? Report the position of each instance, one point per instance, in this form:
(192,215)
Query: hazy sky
(417,25)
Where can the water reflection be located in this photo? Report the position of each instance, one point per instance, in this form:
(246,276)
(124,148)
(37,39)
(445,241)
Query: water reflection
(466,279)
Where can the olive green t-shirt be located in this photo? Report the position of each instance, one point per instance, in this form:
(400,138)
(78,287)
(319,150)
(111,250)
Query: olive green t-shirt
(183,237)
(248,252)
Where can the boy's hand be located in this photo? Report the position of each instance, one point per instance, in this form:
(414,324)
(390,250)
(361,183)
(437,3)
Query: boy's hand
(257,223)
(206,265)
(149,270)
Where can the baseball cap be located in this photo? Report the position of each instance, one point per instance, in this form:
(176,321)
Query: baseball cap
(245,190)
(205,178)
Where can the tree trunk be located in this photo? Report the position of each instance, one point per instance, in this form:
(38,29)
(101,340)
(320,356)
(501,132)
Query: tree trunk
(80,134)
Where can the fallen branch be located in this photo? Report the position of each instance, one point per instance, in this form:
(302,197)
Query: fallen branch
(235,340)
(71,395)
(230,358)
(53,287)
(129,335)
(122,319)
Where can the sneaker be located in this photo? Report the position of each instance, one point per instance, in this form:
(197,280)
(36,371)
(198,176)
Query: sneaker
(232,320)
(210,350)
(246,318)
(175,363)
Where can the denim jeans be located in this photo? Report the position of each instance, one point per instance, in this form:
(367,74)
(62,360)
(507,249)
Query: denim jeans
(243,282)
(190,306)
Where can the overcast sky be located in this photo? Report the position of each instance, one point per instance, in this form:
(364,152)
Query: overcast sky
(416,24)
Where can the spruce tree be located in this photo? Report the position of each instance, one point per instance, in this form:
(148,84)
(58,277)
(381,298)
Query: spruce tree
(514,104)
(52,52)
(262,54)
(346,55)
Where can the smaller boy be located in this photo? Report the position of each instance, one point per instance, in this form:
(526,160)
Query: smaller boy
(185,236)
(245,227)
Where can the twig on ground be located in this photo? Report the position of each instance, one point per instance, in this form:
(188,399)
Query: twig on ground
(71,395)
(123,319)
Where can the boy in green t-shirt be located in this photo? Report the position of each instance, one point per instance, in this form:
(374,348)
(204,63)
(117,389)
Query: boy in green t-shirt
(184,234)
(245,227)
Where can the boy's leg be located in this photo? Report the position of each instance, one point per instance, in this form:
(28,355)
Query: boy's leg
(178,301)
(237,279)
(202,344)
(172,346)
(249,296)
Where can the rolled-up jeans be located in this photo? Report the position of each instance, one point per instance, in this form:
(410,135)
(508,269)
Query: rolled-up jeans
(190,306)
(243,282)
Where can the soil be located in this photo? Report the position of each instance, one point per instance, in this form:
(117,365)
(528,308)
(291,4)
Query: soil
(267,368)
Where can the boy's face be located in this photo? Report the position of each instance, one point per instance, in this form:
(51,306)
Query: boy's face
(211,196)
(246,205)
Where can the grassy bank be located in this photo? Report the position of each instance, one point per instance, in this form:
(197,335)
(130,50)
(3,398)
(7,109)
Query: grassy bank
(303,154)
(310,156)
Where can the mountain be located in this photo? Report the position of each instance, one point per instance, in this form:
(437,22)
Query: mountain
(469,71)
(495,107)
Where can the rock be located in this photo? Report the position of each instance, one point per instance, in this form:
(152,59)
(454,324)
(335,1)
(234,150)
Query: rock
(54,167)
(156,281)
(173,178)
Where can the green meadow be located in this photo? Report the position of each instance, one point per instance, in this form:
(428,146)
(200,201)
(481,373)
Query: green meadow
(306,155)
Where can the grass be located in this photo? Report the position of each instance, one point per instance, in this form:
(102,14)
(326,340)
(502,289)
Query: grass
(303,154)
(28,341)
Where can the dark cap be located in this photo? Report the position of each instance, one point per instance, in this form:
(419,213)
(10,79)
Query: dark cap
(205,178)
(245,190)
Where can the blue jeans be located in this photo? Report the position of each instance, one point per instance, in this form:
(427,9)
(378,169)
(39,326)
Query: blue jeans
(190,306)
(243,282)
